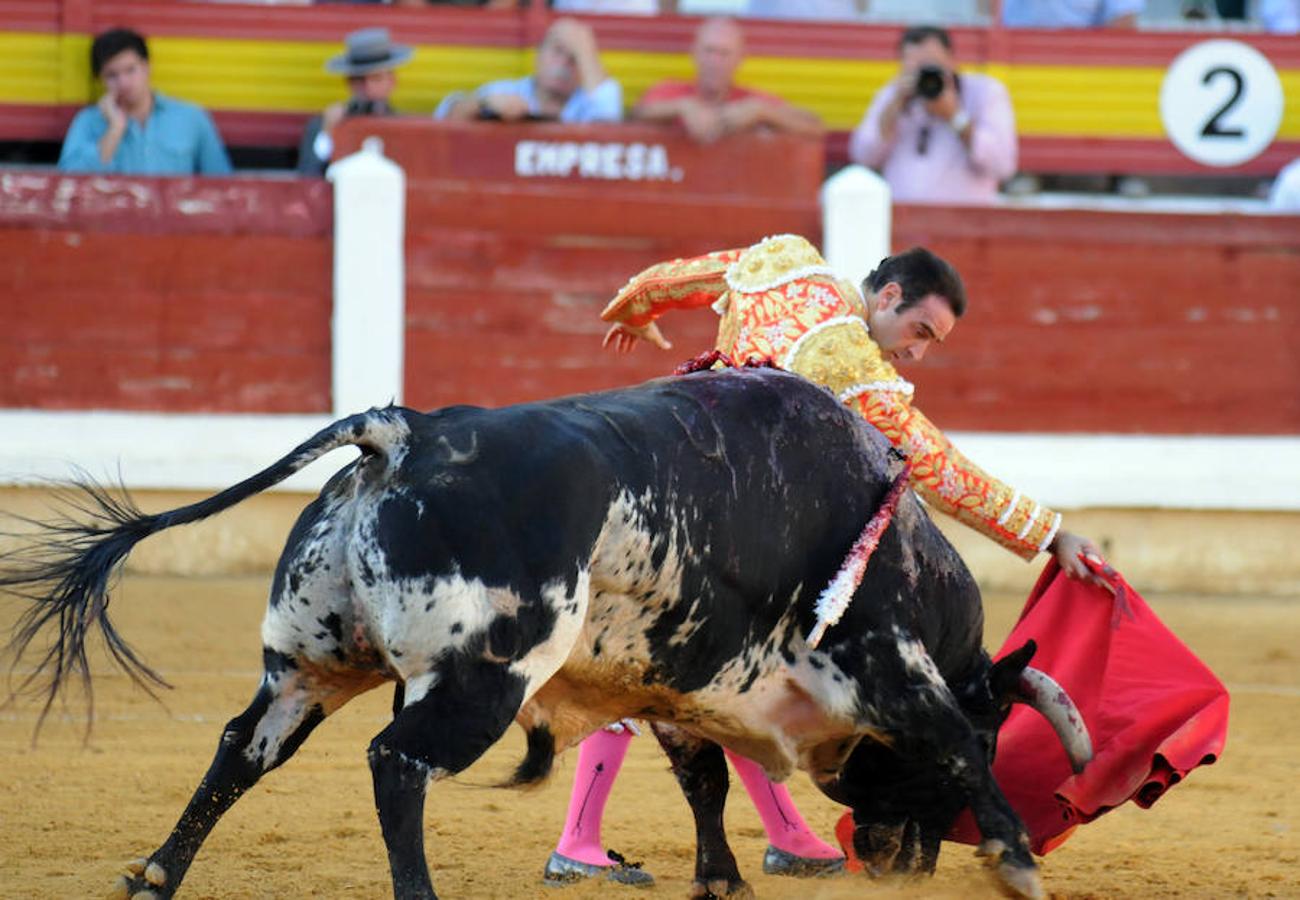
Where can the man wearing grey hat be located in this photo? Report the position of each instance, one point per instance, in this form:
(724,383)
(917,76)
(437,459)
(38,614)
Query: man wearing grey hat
(368,64)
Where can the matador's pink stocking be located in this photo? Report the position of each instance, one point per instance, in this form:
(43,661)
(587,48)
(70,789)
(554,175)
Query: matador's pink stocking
(786,829)
(599,759)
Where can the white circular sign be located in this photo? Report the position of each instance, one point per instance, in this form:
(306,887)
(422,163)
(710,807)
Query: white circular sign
(1221,102)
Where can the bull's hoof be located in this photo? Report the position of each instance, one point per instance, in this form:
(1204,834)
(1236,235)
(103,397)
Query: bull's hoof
(1015,877)
(718,888)
(781,862)
(561,871)
(144,880)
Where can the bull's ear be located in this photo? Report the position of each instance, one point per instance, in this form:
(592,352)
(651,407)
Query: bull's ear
(1004,676)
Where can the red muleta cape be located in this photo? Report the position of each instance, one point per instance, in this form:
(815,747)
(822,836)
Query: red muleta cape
(1154,710)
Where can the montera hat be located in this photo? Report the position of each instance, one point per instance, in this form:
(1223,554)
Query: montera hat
(368,50)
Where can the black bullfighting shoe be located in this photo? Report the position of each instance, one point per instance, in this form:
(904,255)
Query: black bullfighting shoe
(783,862)
(561,870)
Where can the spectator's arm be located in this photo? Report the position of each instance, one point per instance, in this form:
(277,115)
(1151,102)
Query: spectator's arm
(461,106)
(212,157)
(873,139)
(649,109)
(80,152)
(991,138)
(702,121)
(741,115)
(578,38)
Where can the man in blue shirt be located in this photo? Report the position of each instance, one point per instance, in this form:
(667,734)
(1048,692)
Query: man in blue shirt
(133,130)
(569,84)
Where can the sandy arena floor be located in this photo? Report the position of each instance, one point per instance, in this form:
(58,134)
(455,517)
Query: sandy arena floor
(72,814)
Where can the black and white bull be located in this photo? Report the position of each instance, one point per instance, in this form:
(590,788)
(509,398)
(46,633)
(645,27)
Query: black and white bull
(652,552)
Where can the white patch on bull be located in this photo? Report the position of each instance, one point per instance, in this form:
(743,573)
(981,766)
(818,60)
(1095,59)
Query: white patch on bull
(293,625)
(418,686)
(627,593)
(390,431)
(545,659)
(287,711)
(416,622)
(459,457)
(917,661)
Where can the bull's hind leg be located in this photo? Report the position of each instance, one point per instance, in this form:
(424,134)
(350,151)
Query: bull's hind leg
(701,770)
(451,717)
(291,701)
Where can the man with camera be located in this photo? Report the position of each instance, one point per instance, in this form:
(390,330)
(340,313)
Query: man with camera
(937,135)
(368,65)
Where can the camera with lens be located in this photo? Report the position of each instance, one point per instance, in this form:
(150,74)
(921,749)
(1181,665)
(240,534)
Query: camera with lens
(930,81)
(359,106)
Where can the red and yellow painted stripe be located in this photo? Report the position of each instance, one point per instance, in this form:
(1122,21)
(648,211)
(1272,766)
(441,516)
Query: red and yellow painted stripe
(1073,92)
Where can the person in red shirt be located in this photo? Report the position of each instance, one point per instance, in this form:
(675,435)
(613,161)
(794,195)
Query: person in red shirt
(713,105)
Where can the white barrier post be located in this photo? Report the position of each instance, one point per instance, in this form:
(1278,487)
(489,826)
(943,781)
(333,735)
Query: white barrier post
(856,222)
(369,279)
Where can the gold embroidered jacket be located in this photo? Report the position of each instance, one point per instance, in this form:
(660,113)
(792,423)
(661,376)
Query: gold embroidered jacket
(780,301)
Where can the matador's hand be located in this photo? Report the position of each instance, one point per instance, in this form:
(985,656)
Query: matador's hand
(622,337)
(1069,548)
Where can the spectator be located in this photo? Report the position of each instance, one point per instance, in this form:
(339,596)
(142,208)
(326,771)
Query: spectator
(713,105)
(134,130)
(1285,195)
(369,67)
(1071,13)
(1279,16)
(937,135)
(569,84)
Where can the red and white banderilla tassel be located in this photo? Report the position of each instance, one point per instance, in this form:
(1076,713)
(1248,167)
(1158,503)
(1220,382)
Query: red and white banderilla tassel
(835,599)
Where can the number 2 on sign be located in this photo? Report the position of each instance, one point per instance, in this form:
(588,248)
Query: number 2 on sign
(1213,128)
(1221,103)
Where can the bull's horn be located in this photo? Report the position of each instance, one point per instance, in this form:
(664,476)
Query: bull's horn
(1040,690)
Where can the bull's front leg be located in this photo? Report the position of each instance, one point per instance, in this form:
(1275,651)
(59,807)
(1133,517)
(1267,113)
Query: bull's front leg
(701,770)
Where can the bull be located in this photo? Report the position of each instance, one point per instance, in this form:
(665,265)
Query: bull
(651,552)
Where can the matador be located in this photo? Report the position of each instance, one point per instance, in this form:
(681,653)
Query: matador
(779,301)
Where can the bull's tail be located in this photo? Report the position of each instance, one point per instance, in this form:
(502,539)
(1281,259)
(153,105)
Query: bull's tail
(538,759)
(64,569)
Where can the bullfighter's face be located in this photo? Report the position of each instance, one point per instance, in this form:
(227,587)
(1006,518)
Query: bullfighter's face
(905,333)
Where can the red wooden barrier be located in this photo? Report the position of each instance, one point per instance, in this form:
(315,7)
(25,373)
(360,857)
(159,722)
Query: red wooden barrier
(213,295)
(194,295)
(1115,321)
(517,235)
(1079,320)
